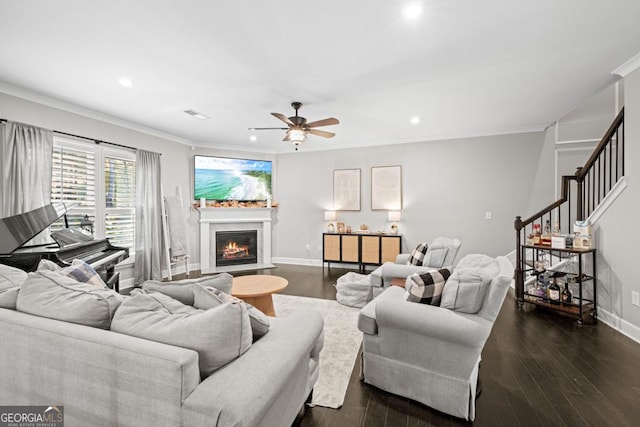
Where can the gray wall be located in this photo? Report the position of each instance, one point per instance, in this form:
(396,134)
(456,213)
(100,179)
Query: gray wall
(447,188)
(617,233)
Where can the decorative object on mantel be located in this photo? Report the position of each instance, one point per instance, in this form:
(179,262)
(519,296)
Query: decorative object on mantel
(234,204)
(394,216)
(340,227)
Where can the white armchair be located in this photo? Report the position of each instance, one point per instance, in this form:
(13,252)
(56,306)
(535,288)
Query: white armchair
(430,353)
(441,253)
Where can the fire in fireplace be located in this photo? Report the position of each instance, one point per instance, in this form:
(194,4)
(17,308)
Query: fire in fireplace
(236,247)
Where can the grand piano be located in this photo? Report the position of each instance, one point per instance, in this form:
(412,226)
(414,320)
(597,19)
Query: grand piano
(67,245)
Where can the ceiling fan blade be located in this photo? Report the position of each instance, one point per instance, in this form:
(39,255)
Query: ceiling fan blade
(268,128)
(322,133)
(283,118)
(286,137)
(324,122)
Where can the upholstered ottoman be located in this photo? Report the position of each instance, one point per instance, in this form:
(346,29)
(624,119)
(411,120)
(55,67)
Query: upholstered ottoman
(354,289)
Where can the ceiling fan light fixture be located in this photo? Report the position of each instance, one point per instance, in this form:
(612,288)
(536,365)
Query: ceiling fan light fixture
(297,136)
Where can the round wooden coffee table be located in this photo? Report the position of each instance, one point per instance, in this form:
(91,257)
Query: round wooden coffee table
(257,289)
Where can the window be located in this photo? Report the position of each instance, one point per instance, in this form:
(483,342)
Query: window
(103,194)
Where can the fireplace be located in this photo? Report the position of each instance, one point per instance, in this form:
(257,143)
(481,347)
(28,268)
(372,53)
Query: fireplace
(214,220)
(236,247)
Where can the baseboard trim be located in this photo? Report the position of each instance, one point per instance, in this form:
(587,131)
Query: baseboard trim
(298,261)
(620,325)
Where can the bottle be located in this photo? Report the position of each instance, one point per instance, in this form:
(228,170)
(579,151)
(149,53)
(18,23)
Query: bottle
(554,292)
(546,234)
(536,234)
(556,229)
(540,293)
(566,294)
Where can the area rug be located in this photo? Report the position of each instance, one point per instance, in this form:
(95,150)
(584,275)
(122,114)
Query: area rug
(342,341)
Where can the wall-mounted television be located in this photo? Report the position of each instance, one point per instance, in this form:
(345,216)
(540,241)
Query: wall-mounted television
(223,178)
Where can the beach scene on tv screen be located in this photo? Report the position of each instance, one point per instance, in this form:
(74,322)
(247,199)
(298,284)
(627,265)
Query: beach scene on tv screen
(218,178)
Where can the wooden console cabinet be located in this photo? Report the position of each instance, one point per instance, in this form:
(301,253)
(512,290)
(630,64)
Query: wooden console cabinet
(361,249)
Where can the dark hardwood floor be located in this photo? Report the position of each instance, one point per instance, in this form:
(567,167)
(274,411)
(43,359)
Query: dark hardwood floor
(538,369)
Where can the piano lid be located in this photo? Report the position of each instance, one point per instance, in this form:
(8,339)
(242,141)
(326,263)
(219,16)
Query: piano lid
(17,230)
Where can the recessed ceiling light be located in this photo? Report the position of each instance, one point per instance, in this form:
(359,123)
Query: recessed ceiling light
(412,10)
(253,138)
(196,114)
(125,82)
(415,120)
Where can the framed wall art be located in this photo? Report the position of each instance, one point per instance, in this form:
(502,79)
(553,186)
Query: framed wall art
(346,189)
(386,188)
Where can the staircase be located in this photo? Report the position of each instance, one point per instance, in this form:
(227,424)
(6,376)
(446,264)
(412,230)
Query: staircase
(584,195)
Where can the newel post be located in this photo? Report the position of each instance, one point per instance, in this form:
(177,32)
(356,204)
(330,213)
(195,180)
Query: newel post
(519,281)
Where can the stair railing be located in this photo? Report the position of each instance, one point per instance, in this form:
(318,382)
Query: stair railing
(580,194)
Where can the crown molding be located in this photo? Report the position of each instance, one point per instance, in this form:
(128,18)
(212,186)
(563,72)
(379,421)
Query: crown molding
(49,101)
(628,67)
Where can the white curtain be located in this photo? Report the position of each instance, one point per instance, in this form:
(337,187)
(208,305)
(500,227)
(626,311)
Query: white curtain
(149,247)
(25,159)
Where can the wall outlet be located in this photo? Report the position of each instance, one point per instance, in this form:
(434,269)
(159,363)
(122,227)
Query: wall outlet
(635,298)
(488,215)
(308,247)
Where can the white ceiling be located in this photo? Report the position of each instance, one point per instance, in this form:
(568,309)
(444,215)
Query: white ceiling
(466,67)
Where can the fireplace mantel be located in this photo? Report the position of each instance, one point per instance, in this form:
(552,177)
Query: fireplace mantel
(212,219)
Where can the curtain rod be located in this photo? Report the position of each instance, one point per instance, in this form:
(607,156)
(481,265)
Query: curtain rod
(96,141)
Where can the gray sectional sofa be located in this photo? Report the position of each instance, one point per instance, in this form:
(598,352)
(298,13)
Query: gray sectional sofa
(106,378)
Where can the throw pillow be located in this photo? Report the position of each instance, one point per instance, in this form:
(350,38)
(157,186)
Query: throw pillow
(467,287)
(435,257)
(426,288)
(182,290)
(83,272)
(10,280)
(205,298)
(45,264)
(218,335)
(79,270)
(56,296)
(417,255)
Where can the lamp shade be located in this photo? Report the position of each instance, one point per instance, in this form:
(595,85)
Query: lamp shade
(330,215)
(394,216)
(297,135)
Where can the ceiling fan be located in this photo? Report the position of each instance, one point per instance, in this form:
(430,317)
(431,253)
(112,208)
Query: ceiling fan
(298,128)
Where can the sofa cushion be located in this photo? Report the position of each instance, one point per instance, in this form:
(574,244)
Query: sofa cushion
(426,288)
(10,280)
(417,255)
(56,296)
(11,276)
(466,288)
(182,290)
(205,298)
(218,335)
